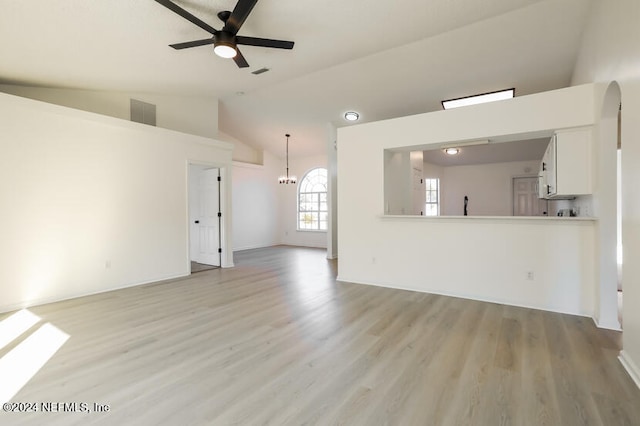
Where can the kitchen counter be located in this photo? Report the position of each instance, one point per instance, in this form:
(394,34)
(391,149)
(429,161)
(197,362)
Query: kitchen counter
(491,218)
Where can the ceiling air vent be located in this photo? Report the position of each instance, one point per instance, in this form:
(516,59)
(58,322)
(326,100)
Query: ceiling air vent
(260,71)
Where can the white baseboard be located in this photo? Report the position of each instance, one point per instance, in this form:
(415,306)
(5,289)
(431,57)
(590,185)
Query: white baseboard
(630,366)
(466,296)
(614,326)
(252,247)
(45,300)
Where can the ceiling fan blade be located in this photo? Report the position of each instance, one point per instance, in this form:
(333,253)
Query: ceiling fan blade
(188,16)
(240,61)
(239,15)
(193,43)
(264,42)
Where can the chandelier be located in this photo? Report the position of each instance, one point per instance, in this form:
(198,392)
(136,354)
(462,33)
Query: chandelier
(286,179)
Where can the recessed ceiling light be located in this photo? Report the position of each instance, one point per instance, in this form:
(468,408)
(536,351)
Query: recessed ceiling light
(451,151)
(351,116)
(479,99)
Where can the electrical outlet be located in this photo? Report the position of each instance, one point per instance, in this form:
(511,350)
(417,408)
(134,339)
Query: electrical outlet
(373,260)
(107,264)
(530,276)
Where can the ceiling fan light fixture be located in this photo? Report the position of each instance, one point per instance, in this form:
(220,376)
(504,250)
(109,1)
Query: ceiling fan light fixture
(225,41)
(224,45)
(226,51)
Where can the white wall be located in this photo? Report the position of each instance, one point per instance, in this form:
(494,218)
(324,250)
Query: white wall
(256,203)
(610,52)
(92,203)
(488,186)
(289,204)
(397,182)
(480,258)
(194,115)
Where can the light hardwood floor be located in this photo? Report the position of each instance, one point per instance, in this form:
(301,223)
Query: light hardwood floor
(276,340)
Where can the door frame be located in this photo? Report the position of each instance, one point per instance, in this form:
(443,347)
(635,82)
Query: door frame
(196,174)
(226,258)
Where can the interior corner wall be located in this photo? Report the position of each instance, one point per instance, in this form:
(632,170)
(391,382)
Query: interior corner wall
(241,151)
(192,115)
(290,235)
(609,52)
(332,174)
(256,203)
(91,203)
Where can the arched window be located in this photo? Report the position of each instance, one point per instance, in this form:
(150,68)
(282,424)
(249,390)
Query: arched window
(312,201)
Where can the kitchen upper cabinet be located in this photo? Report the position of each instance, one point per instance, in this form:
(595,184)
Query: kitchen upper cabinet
(565,170)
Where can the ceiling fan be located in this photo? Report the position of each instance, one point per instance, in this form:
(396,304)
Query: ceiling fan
(225,41)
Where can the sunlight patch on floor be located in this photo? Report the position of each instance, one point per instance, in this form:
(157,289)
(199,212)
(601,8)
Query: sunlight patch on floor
(15,325)
(21,363)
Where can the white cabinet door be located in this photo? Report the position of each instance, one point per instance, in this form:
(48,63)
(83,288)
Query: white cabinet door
(565,170)
(573,162)
(552,167)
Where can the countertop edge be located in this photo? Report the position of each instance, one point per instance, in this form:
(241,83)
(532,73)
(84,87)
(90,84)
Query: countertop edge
(494,218)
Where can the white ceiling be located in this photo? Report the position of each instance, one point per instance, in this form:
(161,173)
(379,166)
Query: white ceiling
(383,59)
(525,150)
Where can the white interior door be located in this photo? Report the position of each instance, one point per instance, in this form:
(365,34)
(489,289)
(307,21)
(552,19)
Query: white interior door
(205,219)
(525,198)
(418,192)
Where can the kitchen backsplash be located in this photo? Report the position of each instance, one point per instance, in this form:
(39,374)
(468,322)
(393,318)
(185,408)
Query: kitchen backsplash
(581,206)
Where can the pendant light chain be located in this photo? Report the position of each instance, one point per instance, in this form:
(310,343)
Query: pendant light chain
(287,179)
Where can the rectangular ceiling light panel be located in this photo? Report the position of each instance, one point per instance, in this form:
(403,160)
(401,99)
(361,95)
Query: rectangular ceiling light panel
(479,99)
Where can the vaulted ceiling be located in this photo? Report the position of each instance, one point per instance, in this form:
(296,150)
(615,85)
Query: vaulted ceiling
(383,59)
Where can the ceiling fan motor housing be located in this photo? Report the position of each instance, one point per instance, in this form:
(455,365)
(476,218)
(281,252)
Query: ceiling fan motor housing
(223,41)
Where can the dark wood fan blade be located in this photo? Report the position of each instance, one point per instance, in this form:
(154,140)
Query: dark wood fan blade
(264,42)
(186,15)
(240,61)
(239,15)
(194,43)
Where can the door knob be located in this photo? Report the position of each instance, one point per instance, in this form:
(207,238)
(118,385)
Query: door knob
(197,221)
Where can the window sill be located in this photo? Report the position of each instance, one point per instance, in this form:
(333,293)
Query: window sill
(312,230)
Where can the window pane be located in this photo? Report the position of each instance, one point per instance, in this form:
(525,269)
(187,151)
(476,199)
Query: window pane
(312,200)
(306,220)
(314,220)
